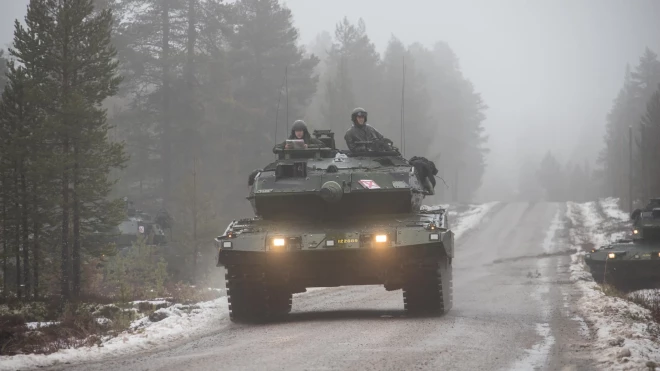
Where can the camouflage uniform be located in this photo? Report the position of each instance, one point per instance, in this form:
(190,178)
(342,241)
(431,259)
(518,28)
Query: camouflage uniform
(297,126)
(361,133)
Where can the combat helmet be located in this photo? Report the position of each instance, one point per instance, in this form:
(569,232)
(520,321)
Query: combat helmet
(299,125)
(355,113)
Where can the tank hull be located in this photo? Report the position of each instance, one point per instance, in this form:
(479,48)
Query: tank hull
(626,266)
(416,258)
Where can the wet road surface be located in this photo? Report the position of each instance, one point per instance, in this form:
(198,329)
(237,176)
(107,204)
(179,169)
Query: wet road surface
(511,312)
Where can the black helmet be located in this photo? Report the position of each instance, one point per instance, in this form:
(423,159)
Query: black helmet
(358,112)
(299,125)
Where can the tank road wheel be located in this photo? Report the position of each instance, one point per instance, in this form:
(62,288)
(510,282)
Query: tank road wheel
(429,289)
(251,299)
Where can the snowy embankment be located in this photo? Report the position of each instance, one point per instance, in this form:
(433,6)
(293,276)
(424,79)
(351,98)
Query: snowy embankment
(169,324)
(625,334)
(463,218)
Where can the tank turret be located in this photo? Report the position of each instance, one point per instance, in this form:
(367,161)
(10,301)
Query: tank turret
(330,183)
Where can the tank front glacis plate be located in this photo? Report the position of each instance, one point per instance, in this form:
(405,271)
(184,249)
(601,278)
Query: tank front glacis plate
(401,231)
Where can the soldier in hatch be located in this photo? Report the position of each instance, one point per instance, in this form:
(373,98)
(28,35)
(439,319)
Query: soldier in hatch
(361,132)
(299,131)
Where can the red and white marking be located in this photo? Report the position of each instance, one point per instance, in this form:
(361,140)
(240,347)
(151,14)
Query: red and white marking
(369,184)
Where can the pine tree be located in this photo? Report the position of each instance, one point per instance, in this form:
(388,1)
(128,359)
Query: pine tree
(3,70)
(153,43)
(458,113)
(650,147)
(353,77)
(411,97)
(77,57)
(264,47)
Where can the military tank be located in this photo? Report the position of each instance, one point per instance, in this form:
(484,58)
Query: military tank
(138,224)
(326,217)
(632,263)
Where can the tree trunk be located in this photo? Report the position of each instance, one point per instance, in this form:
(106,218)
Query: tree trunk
(166,133)
(192,37)
(17,230)
(194,220)
(5,235)
(66,265)
(26,235)
(76,225)
(65,224)
(35,247)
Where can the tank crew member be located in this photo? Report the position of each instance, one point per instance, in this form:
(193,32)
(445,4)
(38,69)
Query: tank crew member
(361,132)
(299,131)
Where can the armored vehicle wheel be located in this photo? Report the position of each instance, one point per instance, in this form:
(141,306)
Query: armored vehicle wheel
(429,289)
(252,299)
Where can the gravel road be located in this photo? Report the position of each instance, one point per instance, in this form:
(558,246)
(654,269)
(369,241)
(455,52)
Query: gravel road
(511,312)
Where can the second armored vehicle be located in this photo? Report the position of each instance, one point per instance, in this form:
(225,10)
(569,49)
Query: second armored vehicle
(631,264)
(327,217)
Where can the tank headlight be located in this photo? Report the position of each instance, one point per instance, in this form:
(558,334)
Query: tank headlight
(636,256)
(330,243)
(381,238)
(611,255)
(279,242)
(226,244)
(635,231)
(434,237)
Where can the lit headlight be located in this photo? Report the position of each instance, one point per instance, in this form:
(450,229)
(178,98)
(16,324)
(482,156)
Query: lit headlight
(278,242)
(381,238)
(635,231)
(611,255)
(226,244)
(434,237)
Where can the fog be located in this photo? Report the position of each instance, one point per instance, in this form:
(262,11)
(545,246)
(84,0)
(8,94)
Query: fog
(548,70)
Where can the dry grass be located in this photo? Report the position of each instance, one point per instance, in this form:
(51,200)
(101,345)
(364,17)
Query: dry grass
(81,324)
(649,300)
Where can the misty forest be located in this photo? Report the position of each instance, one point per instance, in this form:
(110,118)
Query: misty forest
(172,103)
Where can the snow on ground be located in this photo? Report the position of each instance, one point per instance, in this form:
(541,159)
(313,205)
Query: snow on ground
(612,210)
(37,325)
(625,335)
(462,222)
(182,321)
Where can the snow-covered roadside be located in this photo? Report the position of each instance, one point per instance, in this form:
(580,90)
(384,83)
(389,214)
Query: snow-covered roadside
(462,222)
(182,321)
(625,335)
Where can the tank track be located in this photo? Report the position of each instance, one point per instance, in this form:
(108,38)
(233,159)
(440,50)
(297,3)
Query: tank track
(429,288)
(253,298)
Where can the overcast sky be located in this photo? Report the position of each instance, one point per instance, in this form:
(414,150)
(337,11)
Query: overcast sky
(548,69)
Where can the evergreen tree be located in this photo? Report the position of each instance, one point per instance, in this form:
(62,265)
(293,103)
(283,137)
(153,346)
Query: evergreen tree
(458,113)
(3,70)
(412,97)
(353,77)
(78,59)
(153,54)
(650,148)
(264,47)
